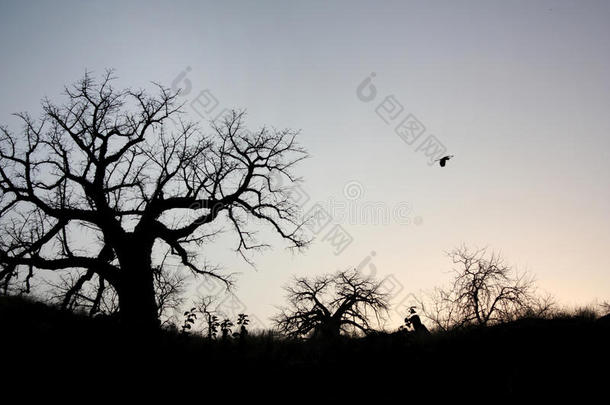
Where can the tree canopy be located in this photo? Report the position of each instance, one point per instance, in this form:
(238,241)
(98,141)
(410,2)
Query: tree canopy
(124,165)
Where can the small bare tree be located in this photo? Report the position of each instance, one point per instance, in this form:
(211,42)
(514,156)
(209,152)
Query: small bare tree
(206,306)
(484,291)
(328,305)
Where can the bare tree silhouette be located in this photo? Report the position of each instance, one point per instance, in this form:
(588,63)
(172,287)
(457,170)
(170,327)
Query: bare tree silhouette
(114,163)
(206,306)
(484,291)
(327,305)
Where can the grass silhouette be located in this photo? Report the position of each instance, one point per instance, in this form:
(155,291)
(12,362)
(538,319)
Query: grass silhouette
(527,355)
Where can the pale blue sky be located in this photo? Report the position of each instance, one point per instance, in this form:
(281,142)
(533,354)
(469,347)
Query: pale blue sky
(517,90)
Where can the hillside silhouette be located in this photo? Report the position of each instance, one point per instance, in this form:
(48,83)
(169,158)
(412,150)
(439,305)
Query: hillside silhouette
(524,356)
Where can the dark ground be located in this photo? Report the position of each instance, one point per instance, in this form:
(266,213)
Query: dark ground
(542,356)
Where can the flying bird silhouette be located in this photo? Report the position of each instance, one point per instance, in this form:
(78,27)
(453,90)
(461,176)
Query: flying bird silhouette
(443,160)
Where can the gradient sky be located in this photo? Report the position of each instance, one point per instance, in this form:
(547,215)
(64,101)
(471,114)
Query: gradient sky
(519,91)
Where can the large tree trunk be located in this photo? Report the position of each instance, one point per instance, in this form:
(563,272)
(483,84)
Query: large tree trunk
(137,303)
(330,329)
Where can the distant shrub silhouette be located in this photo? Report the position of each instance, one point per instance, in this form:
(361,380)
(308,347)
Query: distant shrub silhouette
(242,322)
(225,328)
(604,308)
(413,320)
(190,317)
